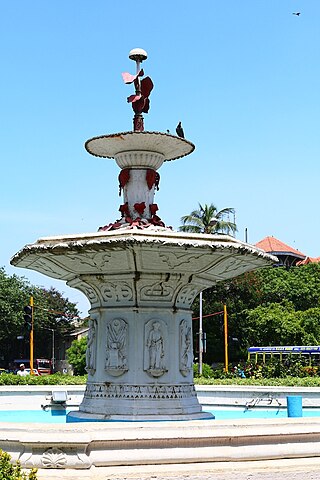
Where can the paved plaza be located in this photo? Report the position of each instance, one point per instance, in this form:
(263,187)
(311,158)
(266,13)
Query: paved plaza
(294,469)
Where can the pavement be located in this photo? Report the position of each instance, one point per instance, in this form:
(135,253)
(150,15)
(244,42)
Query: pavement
(293,469)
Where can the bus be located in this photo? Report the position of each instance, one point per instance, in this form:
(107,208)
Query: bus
(42,365)
(263,353)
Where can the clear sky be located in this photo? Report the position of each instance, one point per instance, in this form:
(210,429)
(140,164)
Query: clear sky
(242,76)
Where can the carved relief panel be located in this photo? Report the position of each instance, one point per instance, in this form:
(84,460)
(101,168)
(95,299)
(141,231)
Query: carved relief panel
(116,347)
(91,352)
(185,348)
(186,295)
(116,292)
(90,292)
(156,347)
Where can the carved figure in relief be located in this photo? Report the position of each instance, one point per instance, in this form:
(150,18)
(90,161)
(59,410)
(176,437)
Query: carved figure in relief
(155,345)
(116,345)
(185,348)
(91,347)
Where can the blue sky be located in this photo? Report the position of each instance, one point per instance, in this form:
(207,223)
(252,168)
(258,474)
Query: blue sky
(242,76)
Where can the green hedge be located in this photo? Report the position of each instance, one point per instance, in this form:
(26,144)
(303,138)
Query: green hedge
(294,373)
(56,379)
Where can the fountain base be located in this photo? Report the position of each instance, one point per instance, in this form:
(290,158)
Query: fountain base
(76,417)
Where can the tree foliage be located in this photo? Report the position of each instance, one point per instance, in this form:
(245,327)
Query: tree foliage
(51,311)
(271,306)
(208,219)
(76,355)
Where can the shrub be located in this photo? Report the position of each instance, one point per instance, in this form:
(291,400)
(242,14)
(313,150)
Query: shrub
(76,355)
(13,471)
(56,379)
(207,371)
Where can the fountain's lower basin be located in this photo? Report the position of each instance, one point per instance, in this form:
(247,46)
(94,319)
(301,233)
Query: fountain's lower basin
(101,450)
(89,447)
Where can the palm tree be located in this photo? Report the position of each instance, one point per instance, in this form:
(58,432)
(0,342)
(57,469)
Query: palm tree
(207,219)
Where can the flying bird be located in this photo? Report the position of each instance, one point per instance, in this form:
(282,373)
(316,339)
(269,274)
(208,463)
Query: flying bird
(179,130)
(296,13)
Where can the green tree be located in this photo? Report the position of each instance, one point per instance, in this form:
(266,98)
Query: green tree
(273,324)
(13,296)
(208,219)
(51,311)
(268,306)
(76,355)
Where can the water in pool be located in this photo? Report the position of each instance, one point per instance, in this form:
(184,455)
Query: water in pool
(34,416)
(220,413)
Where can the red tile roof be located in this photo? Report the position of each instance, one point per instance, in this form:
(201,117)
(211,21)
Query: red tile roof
(273,245)
(309,260)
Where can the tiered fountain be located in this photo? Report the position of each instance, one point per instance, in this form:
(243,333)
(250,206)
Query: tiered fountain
(141,278)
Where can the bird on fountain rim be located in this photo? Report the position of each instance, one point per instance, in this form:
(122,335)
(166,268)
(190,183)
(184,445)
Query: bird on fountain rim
(179,130)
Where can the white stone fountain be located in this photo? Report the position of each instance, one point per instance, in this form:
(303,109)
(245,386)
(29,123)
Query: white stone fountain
(141,279)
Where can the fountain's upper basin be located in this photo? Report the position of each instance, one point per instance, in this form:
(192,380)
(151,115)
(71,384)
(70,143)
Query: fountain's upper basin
(170,147)
(161,249)
(180,264)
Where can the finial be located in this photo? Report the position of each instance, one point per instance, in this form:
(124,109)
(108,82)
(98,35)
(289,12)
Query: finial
(140,100)
(138,55)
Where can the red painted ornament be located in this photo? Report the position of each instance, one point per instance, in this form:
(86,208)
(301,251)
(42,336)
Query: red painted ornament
(124,209)
(124,177)
(140,207)
(153,208)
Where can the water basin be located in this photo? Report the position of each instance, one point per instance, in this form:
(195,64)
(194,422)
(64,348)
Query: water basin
(239,413)
(220,413)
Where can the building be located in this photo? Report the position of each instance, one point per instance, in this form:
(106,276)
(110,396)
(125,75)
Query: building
(287,256)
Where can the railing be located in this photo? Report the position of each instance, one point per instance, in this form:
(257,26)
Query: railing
(263,400)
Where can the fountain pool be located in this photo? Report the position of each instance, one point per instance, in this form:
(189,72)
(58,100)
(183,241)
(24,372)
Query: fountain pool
(218,413)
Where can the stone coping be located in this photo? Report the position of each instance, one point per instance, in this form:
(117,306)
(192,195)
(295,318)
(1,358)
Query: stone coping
(83,446)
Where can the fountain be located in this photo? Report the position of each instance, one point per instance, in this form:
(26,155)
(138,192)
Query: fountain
(141,278)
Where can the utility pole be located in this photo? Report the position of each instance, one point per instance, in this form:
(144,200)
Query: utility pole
(29,323)
(225,323)
(31,335)
(53,361)
(200,336)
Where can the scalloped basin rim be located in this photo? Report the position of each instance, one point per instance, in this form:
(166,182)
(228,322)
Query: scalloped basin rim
(143,236)
(170,146)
